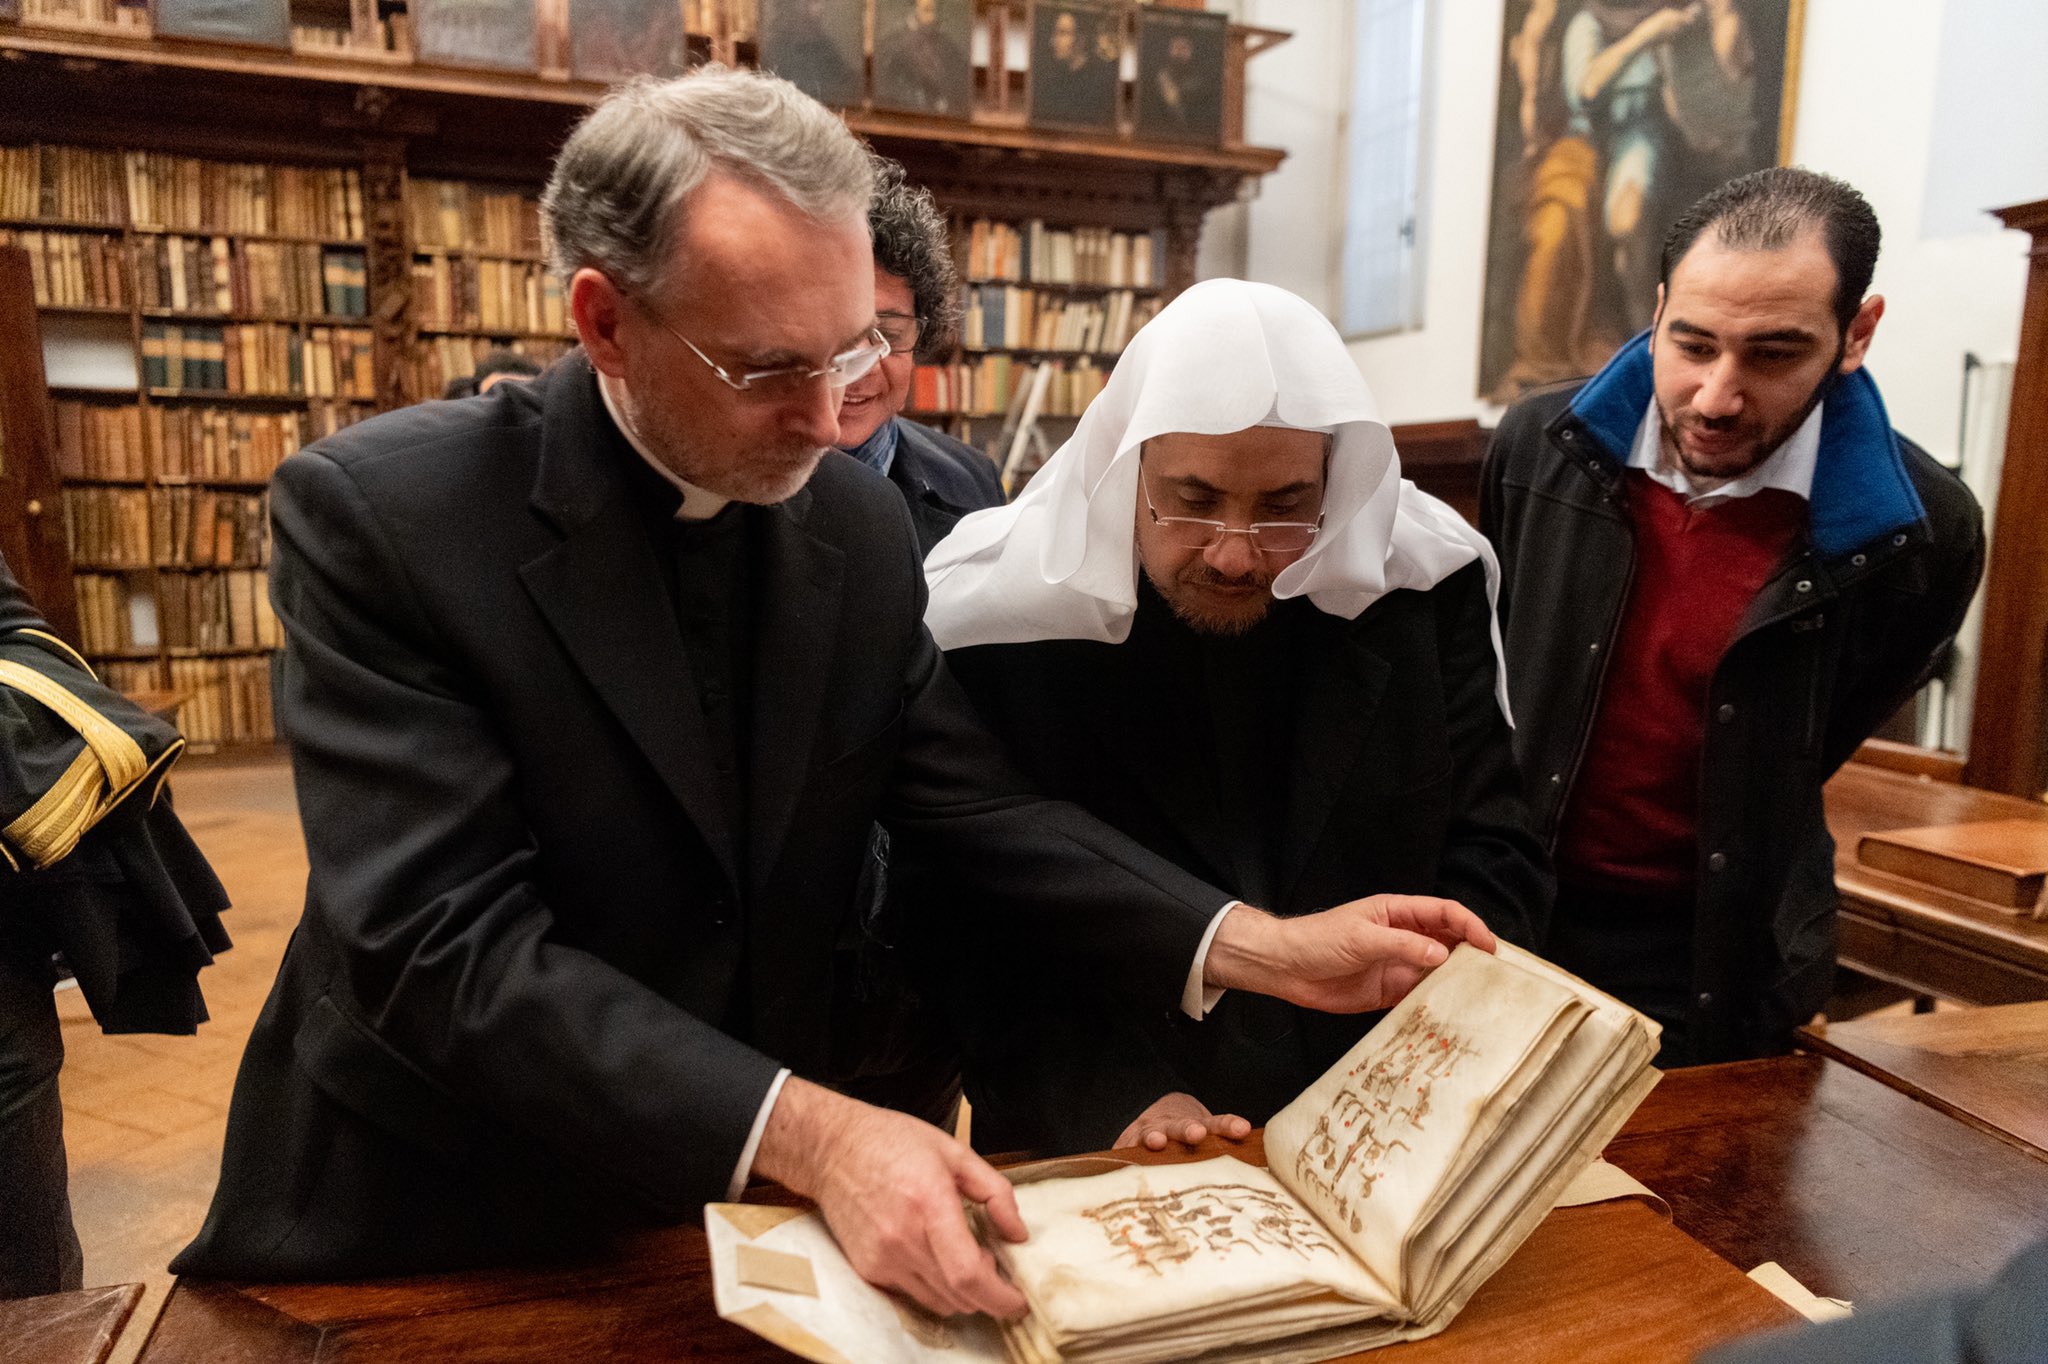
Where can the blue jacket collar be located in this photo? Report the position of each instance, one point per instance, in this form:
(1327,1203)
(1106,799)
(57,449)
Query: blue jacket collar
(1860,486)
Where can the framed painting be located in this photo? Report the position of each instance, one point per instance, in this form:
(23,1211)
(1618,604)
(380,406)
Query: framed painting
(816,46)
(497,33)
(264,22)
(1180,75)
(614,40)
(1077,52)
(923,56)
(1614,117)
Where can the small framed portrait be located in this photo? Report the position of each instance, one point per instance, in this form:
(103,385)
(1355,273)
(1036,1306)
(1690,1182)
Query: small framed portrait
(816,46)
(265,22)
(923,56)
(1077,52)
(1180,75)
(497,33)
(613,40)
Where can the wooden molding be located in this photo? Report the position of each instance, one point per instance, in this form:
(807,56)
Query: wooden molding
(2009,717)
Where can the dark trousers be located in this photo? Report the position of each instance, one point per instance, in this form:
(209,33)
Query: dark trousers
(1635,945)
(39,1250)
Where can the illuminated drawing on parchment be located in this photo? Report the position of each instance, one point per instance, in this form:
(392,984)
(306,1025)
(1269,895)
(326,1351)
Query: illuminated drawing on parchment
(1383,1102)
(1154,1231)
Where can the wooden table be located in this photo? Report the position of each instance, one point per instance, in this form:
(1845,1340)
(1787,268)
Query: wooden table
(66,1328)
(1987,1067)
(1930,941)
(1858,1190)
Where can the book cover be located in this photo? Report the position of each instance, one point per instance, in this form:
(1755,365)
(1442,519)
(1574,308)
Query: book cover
(2001,862)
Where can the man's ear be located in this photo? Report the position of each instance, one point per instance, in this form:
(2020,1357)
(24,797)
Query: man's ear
(1657,317)
(1862,328)
(599,309)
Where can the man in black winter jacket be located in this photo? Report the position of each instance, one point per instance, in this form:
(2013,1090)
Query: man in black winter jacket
(1721,570)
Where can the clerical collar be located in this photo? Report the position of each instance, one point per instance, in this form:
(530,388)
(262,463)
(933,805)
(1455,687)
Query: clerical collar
(878,451)
(699,504)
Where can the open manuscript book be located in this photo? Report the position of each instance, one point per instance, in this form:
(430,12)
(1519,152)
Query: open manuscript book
(1396,1185)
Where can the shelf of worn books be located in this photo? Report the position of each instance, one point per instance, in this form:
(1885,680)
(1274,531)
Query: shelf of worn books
(254,280)
(1022,317)
(1032,253)
(440,358)
(457,216)
(984,387)
(490,296)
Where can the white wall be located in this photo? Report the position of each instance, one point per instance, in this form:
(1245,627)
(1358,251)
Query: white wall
(1870,86)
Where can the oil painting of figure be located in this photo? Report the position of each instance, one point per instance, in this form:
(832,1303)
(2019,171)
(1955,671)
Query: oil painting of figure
(1613,116)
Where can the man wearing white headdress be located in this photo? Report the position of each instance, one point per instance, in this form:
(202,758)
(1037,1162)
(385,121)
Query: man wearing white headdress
(1221,621)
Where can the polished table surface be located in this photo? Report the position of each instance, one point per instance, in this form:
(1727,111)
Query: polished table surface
(1859,1191)
(1986,1066)
(1930,941)
(66,1328)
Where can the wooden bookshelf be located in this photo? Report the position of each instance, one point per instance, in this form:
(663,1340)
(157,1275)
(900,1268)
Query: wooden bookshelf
(219,346)
(423,182)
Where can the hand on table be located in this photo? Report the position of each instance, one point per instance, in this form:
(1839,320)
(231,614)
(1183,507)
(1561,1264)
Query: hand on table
(1184,1118)
(1363,955)
(890,1188)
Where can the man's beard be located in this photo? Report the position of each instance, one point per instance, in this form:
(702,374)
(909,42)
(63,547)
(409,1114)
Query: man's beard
(1753,452)
(763,478)
(1203,618)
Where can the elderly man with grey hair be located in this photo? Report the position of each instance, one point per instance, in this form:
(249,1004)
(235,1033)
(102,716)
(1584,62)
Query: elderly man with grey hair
(595,686)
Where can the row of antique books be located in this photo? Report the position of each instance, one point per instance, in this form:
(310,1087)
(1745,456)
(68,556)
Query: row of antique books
(129,443)
(451,292)
(438,359)
(223,275)
(187,527)
(1037,254)
(455,215)
(186,194)
(227,700)
(74,269)
(74,184)
(260,358)
(984,387)
(1019,317)
(211,611)
(179,193)
(118,14)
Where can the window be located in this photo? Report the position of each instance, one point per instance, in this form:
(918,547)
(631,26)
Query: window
(1380,271)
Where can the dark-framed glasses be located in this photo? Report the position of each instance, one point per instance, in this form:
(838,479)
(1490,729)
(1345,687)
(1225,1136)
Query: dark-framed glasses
(1194,532)
(785,381)
(900,330)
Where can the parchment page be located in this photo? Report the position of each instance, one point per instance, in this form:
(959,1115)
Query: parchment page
(1368,1146)
(1173,1243)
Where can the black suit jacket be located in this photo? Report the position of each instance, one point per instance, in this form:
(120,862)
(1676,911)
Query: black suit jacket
(1399,778)
(540,988)
(941,479)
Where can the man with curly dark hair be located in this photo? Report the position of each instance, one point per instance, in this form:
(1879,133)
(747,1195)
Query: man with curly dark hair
(917,306)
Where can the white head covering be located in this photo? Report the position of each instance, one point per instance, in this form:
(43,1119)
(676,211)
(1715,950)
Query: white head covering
(1061,561)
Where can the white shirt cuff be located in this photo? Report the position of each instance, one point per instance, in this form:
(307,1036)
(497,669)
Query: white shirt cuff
(746,1161)
(1196,999)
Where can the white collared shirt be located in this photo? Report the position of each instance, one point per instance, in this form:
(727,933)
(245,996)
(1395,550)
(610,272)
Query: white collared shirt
(1788,468)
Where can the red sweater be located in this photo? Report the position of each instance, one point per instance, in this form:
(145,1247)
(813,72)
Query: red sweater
(1633,818)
